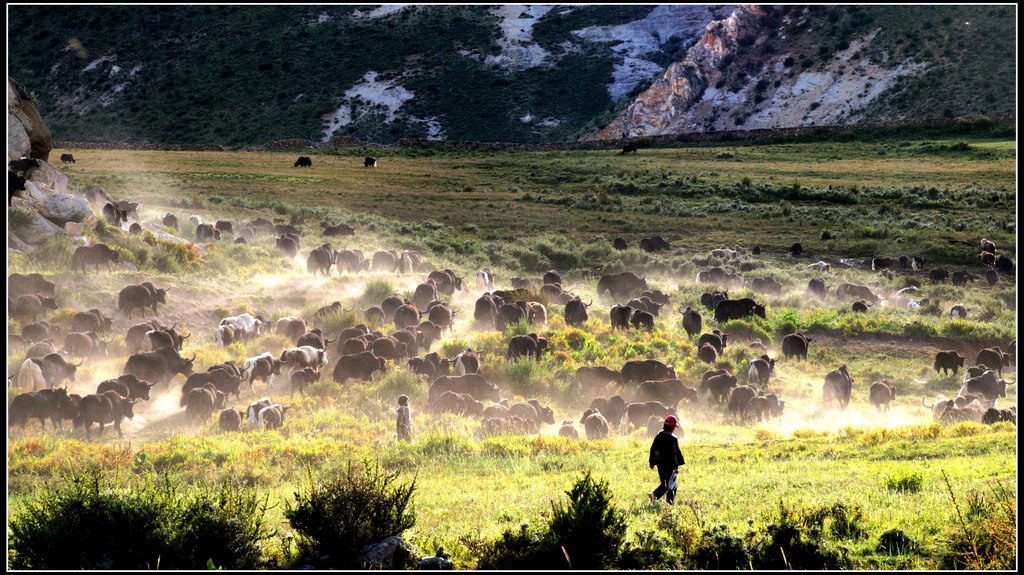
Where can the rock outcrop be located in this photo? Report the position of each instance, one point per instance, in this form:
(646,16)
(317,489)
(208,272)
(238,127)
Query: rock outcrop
(658,109)
(27,136)
(46,198)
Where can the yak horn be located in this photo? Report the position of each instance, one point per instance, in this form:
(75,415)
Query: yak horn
(79,364)
(193,357)
(591,302)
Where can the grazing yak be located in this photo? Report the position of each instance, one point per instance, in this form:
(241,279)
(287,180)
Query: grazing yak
(880,394)
(104,408)
(474,384)
(838,386)
(619,243)
(369,162)
(140,296)
(593,379)
(629,149)
(595,425)
(737,309)
(993,358)
(31,306)
(1004,265)
(639,371)
(854,291)
(668,391)
(320,260)
(458,403)
(230,420)
(986,384)
(938,275)
(53,404)
(339,230)
(948,360)
(654,244)
(67,158)
(126,385)
(962,277)
(716,338)
(530,346)
(795,345)
(637,414)
(95,255)
(716,384)
(692,321)
(707,354)
(620,285)
(576,312)
(303,162)
(30,284)
(610,407)
(357,366)
(159,366)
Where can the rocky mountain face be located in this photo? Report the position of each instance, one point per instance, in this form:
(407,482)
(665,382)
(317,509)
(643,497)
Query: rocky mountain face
(777,67)
(511,73)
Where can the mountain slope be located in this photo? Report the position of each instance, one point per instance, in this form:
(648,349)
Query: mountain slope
(238,75)
(771,67)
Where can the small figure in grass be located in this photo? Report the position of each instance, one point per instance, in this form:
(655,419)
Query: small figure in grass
(666,456)
(403,419)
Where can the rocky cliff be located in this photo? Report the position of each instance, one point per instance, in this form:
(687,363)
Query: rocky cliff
(768,67)
(45,206)
(661,108)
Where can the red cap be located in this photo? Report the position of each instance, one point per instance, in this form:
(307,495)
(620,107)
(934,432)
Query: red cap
(671,420)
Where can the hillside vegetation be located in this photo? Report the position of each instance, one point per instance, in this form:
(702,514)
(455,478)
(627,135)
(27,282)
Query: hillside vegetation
(199,74)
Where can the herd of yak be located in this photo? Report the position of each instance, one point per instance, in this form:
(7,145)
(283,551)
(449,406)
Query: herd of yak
(455,384)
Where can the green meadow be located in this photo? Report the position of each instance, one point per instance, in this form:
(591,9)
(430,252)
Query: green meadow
(521,213)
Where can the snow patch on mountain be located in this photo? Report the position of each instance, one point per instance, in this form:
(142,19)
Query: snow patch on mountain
(518,51)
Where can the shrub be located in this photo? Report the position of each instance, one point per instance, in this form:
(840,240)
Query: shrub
(895,542)
(720,550)
(350,510)
(142,527)
(376,291)
(989,541)
(795,540)
(905,481)
(520,549)
(589,528)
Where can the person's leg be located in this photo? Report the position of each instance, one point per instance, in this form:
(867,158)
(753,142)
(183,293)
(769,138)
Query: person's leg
(663,475)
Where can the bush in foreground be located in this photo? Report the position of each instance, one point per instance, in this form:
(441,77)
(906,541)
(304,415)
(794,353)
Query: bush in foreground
(353,509)
(86,524)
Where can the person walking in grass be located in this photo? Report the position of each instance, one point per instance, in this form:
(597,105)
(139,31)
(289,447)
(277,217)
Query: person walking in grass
(403,420)
(666,456)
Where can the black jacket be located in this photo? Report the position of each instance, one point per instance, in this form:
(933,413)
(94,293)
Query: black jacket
(665,450)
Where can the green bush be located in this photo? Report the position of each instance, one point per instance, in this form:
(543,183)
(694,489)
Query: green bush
(796,540)
(350,510)
(905,481)
(589,528)
(376,291)
(95,525)
(522,549)
(895,542)
(720,550)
